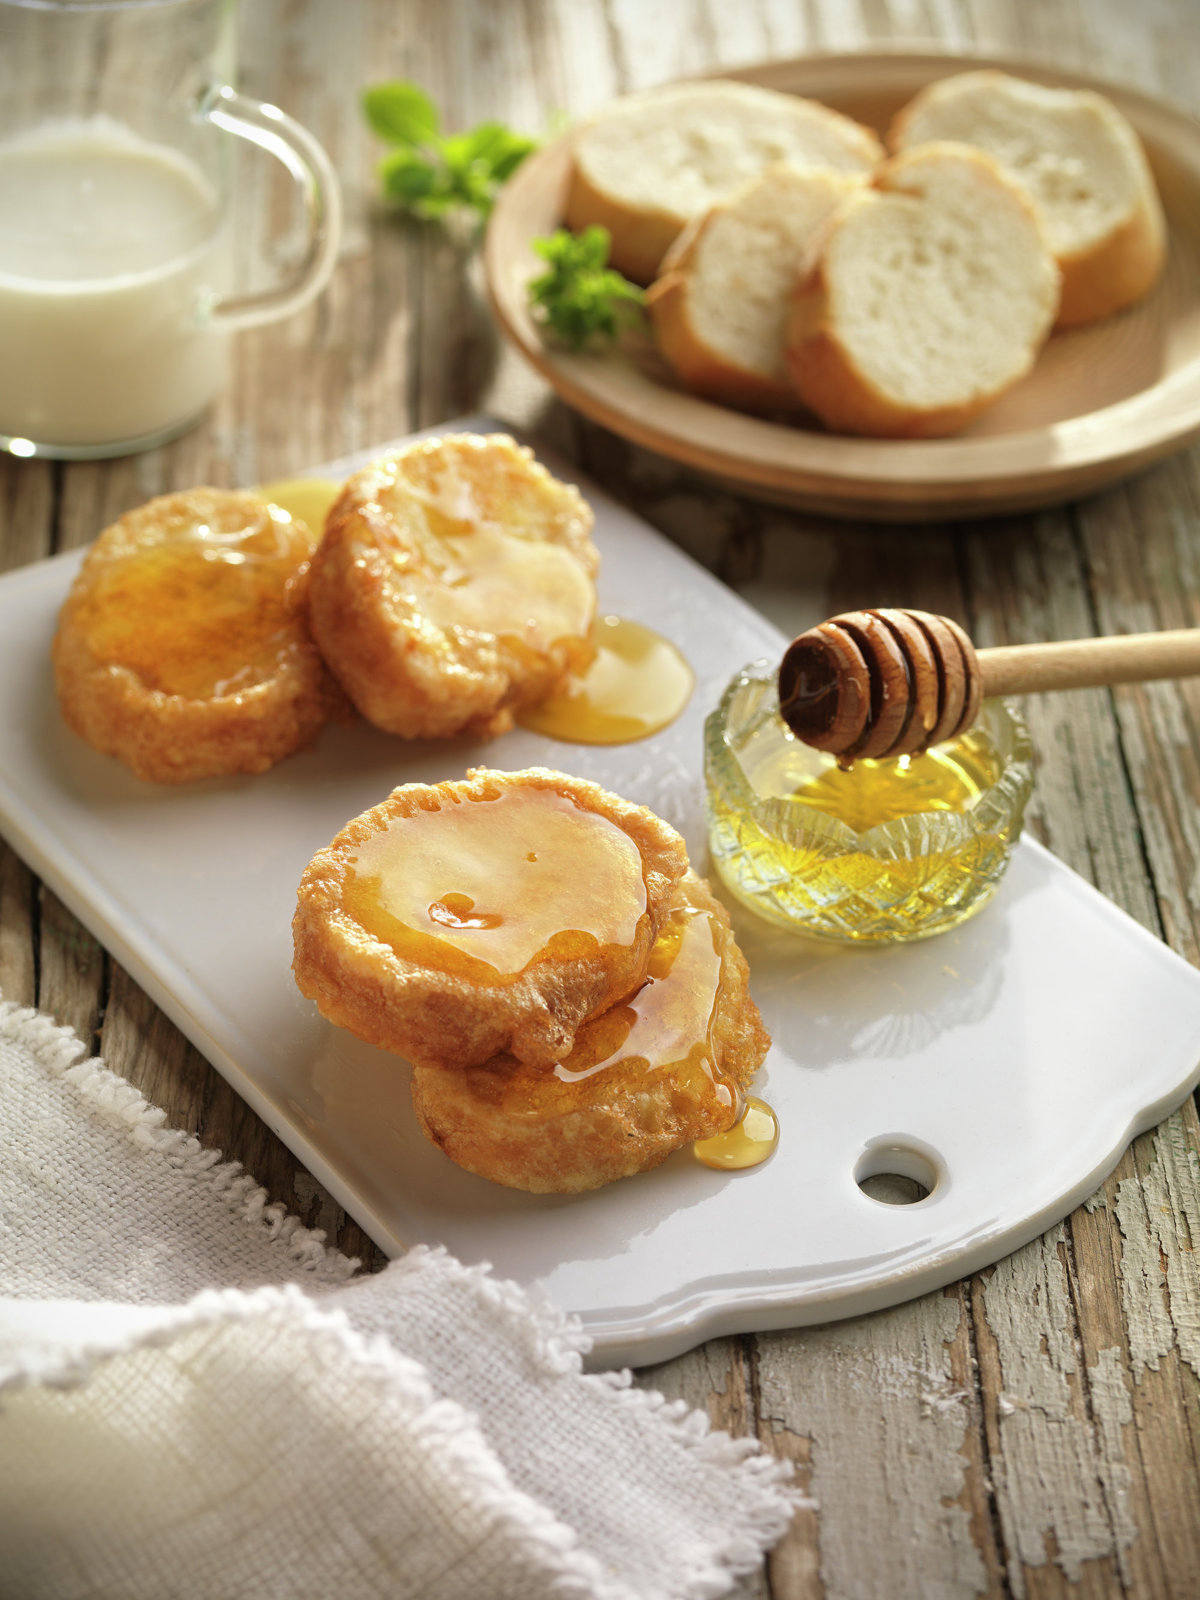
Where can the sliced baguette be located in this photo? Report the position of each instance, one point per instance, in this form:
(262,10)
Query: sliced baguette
(1080,160)
(934,291)
(720,307)
(644,166)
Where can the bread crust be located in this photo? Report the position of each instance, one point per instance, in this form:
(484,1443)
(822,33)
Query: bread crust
(442,1018)
(405,672)
(639,236)
(642,230)
(698,364)
(528,1129)
(829,382)
(1118,271)
(822,367)
(169,737)
(1112,271)
(703,370)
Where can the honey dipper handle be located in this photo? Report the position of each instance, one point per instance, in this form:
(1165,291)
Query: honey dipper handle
(1086,663)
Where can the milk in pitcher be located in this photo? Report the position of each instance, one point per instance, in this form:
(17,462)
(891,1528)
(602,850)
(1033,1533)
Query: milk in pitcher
(110,251)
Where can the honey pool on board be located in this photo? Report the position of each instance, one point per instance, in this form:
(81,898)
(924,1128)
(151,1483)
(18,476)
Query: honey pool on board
(748,1143)
(637,684)
(307,499)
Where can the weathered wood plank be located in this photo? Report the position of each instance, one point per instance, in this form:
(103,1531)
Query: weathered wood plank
(881,1404)
(18,929)
(27,491)
(73,970)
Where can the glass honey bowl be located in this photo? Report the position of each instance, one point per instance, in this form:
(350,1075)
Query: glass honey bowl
(883,852)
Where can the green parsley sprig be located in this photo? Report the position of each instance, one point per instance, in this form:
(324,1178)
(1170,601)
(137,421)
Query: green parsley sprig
(433,174)
(580,298)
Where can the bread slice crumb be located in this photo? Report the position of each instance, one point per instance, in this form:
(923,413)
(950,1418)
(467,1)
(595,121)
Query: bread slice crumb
(720,307)
(933,294)
(1081,162)
(645,166)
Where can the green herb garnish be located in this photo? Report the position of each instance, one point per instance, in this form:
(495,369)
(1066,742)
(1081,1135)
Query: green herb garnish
(430,173)
(581,298)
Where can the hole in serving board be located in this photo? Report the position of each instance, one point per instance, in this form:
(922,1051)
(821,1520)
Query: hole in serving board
(897,1173)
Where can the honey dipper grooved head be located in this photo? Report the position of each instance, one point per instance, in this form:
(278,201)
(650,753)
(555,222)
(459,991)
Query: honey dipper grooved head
(879,683)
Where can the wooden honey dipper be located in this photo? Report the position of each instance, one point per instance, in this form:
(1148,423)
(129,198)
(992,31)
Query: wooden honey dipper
(870,684)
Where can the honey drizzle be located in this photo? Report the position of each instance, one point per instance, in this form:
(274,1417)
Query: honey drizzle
(667,1025)
(206,609)
(637,684)
(484,886)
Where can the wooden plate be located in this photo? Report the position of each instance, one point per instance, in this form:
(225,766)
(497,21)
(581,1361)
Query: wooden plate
(1102,401)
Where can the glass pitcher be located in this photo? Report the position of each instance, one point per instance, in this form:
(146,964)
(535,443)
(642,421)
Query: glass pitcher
(118,123)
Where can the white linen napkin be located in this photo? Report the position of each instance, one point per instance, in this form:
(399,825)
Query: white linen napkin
(198,1398)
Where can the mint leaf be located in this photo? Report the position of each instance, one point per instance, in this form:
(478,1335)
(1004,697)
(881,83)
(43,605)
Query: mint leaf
(401,113)
(581,299)
(508,157)
(406,176)
(433,175)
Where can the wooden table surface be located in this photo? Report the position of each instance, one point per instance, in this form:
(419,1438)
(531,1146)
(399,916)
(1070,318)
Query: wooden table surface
(1033,1430)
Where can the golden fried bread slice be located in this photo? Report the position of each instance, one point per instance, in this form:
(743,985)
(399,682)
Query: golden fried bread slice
(663,1067)
(494,913)
(454,584)
(183,648)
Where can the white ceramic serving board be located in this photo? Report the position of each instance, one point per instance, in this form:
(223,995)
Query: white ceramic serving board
(1018,1054)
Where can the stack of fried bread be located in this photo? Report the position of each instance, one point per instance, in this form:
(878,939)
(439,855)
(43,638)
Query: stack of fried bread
(210,633)
(569,992)
(792,267)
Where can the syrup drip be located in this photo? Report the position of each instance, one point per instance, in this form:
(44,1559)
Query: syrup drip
(667,1025)
(749,1142)
(455,911)
(484,886)
(637,684)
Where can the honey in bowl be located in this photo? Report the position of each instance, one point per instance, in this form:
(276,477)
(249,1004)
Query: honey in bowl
(949,777)
(885,851)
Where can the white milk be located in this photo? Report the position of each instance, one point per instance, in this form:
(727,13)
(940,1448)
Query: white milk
(108,259)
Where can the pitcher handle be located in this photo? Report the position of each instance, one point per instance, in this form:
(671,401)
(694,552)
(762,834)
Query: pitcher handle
(272,130)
